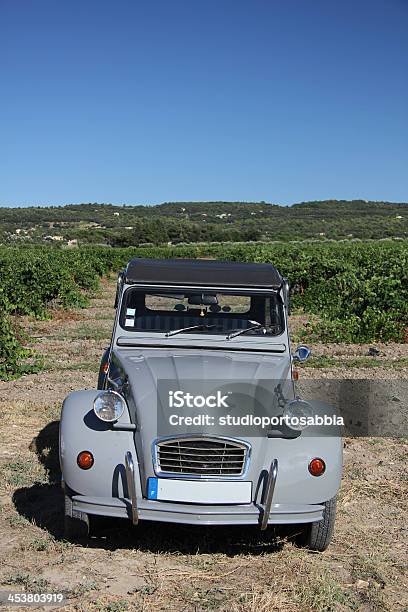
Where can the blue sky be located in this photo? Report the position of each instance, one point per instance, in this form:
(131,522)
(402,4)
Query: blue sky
(143,102)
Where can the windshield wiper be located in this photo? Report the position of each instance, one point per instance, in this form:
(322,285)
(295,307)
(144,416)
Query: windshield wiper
(239,332)
(173,332)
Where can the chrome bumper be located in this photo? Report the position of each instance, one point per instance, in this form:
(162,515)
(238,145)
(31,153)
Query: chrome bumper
(131,485)
(270,488)
(193,514)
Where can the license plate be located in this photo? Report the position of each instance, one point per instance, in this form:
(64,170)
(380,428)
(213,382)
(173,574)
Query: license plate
(199,492)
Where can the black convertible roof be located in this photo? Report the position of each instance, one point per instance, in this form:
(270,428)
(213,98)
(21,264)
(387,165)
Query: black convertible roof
(202,273)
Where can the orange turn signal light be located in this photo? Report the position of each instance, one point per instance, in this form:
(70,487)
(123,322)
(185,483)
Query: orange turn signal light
(85,460)
(317,467)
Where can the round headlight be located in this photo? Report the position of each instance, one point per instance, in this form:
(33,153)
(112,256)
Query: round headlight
(109,406)
(296,414)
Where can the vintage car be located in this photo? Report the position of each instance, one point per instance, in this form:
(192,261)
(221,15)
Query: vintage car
(193,340)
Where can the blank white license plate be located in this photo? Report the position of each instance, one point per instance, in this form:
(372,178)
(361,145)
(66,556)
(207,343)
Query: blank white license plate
(199,492)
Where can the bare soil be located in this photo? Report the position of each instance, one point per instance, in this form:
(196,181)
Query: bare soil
(163,567)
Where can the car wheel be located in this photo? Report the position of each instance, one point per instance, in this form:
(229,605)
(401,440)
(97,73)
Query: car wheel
(317,536)
(76,523)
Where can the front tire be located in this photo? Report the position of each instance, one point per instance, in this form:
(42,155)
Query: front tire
(317,536)
(76,523)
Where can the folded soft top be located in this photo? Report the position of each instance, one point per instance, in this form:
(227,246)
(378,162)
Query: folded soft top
(202,272)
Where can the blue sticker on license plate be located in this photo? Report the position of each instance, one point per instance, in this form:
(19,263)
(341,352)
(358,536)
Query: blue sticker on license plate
(152,488)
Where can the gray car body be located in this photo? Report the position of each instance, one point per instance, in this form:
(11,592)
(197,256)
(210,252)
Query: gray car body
(139,360)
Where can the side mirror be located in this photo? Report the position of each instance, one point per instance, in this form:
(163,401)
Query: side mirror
(302,353)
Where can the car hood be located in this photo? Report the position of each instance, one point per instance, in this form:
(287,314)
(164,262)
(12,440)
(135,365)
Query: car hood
(146,369)
(201,370)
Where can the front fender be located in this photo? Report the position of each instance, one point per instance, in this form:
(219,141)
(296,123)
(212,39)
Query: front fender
(80,429)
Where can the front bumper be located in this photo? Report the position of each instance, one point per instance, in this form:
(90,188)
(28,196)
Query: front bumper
(192,514)
(139,508)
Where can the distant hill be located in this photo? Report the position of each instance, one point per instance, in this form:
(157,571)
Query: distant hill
(203,222)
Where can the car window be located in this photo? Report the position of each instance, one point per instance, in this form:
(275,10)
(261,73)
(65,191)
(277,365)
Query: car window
(220,313)
(225,303)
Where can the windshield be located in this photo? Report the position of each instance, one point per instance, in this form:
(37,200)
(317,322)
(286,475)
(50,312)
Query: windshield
(204,311)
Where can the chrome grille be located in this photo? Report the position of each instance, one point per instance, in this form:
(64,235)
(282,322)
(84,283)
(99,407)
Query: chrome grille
(201,457)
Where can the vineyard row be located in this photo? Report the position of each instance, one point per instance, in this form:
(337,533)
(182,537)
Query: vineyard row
(358,291)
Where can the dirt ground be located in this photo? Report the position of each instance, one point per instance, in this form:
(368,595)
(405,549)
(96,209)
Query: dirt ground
(183,568)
